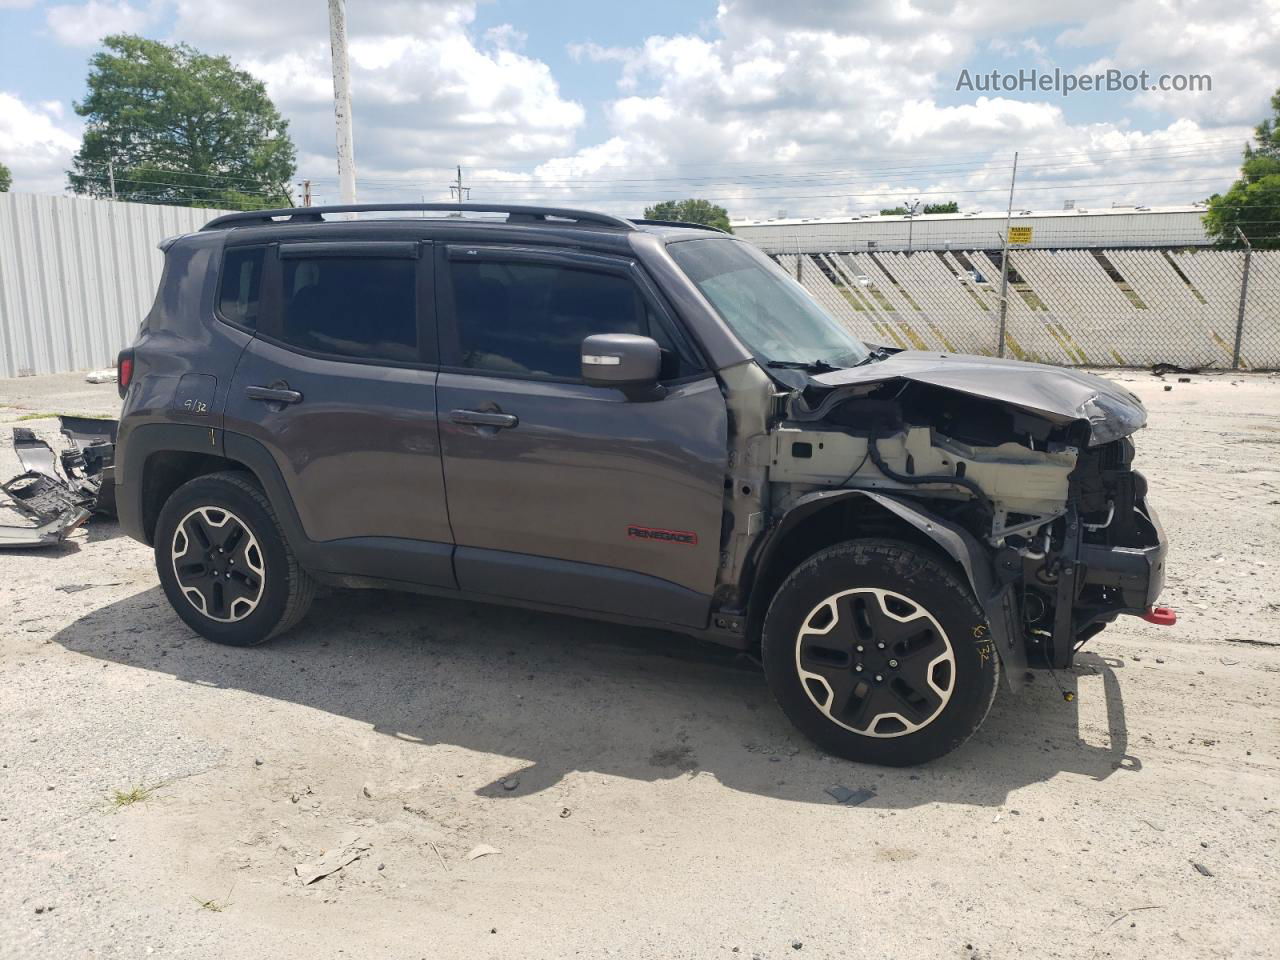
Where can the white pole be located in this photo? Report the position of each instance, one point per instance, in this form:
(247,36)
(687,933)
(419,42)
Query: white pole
(342,100)
(1004,260)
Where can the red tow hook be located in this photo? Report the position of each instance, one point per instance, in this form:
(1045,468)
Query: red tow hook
(1160,616)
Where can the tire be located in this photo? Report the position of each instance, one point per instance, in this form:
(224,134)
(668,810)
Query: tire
(919,697)
(244,596)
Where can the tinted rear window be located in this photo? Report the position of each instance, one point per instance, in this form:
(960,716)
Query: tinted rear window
(354,307)
(241,289)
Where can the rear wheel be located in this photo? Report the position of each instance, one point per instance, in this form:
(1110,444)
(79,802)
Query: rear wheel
(878,652)
(224,563)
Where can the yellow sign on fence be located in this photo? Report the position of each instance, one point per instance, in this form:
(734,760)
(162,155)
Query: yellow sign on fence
(1019,235)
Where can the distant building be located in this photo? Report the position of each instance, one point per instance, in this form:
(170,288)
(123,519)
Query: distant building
(1110,227)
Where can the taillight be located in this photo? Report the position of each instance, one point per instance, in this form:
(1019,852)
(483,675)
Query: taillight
(124,371)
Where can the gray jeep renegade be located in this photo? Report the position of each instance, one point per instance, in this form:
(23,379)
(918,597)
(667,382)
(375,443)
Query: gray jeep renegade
(636,421)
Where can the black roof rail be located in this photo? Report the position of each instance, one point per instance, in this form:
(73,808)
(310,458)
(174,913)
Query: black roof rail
(515,214)
(675,223)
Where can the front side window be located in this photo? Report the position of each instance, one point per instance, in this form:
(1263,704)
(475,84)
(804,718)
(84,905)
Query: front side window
(240,292)
(530,319)
(771,313)
(360,307)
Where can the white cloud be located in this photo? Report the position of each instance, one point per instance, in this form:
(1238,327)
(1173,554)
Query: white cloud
(34,146)
(1237,44)
(426,94)
(817,107)
(506,37)
(84,24)
(595,53)
(831,107)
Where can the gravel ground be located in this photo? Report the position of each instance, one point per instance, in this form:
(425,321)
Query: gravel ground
(644,796)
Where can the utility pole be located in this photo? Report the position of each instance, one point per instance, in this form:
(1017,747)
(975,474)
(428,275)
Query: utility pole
(911,206)
(306,193)
(342,100)
(457,190)
(111,179)
(1004,259)
(1244,299)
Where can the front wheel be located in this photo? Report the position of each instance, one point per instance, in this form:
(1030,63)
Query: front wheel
(877,651)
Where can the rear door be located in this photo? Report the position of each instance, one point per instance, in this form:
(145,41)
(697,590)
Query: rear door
(559,492)
(340,387)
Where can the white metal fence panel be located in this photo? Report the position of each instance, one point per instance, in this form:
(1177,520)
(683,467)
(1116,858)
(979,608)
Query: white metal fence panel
(1100,307)
(1260,343)
(77,276)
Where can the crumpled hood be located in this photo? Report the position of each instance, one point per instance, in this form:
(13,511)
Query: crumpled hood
(1056,392)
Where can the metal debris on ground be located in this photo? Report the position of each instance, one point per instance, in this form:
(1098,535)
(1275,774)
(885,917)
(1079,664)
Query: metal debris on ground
(850,798)
(59,491)
(1160,369)
(349,849)
(1202,869)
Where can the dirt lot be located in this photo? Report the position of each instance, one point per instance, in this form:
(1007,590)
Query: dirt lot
(645,797)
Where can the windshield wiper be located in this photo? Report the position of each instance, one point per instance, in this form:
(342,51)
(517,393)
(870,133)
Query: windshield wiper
(872,357)
(809,366)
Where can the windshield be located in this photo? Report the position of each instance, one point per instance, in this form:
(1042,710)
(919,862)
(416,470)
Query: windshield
(771,313)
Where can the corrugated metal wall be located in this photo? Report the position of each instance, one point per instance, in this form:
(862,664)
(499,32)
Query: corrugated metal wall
(77,276)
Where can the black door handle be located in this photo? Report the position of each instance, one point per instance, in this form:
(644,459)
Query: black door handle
(273,394)
(485,418)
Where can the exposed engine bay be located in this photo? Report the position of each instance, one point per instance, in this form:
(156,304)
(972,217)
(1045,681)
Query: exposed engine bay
(1049,494)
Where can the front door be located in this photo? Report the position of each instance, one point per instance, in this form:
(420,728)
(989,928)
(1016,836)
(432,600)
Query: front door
(559,492)
(340,387)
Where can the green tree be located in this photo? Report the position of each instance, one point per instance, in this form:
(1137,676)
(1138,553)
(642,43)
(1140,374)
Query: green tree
(173,125)
(1252,205)
(6,179)
(949,207)
(690,211)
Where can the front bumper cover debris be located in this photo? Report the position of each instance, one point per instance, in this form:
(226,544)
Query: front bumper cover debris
(59,491)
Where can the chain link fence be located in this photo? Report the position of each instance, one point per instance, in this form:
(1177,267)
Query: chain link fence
(1195,308)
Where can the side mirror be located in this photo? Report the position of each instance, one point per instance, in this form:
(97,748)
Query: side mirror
(620,360)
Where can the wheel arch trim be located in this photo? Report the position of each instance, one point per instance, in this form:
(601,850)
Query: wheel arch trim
(997,600)
(145,440)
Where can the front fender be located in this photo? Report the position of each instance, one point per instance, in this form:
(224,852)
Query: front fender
(994,594)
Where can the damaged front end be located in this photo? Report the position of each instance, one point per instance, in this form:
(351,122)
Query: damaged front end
(1023,473)
(57,492)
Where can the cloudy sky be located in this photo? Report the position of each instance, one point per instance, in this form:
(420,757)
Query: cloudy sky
(814,107)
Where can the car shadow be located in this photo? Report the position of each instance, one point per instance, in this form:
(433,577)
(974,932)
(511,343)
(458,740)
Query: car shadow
(560,694)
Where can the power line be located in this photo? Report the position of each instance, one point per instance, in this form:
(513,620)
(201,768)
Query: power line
(177,185)
(977,161)
(888,190)
(976,156)
(183,173)
(866,174)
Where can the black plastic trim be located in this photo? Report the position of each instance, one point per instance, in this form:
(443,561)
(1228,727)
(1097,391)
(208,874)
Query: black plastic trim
(583,586)
(515,212)
(133,449)
(379,249)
